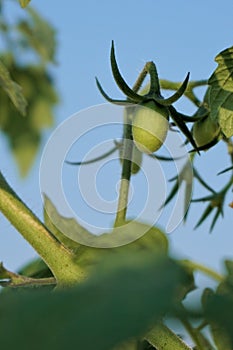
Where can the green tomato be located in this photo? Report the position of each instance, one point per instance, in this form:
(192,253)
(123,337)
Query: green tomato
(150,126)
(204,131)
(136,160)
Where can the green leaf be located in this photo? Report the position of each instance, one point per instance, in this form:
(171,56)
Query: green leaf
(153,240)
(220,96)
(13,90)
(223,74)
(24,3)
(58,224)
(119,303)
(142,236)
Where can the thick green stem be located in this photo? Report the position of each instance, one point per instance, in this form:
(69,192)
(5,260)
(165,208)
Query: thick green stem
(55,255)
(125,175)
(162,338)
(198,338)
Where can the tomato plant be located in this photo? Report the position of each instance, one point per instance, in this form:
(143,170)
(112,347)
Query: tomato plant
(123,290)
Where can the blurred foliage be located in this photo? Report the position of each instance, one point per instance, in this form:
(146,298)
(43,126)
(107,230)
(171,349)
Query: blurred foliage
(218,307)
(13,90)
(24,134)
(24,3)
(28,84)
(125,294)
(38,35)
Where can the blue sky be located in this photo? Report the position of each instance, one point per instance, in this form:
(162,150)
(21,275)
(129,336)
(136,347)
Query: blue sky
(180,36)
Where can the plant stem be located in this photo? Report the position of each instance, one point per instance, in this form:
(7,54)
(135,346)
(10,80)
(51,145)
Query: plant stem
(206,270)
(198,338)
(13,280)
(125,175)
(170,85)
(127,156)
(23,281)
(162,338)
(193,333)
(140,79)
(55,255)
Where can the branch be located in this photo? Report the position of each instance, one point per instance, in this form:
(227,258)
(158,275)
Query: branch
(11,279)
(205,270)
(58,258)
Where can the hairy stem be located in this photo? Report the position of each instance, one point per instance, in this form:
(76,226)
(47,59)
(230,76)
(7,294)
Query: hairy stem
(125,175)
(140,79)
(162,338)
(55,255)
(193,334)
(127,156)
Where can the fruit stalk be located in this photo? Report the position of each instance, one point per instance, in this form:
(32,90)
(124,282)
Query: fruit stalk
(126,157)
(126,174)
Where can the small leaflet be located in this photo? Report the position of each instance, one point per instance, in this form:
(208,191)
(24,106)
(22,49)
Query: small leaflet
(221,92)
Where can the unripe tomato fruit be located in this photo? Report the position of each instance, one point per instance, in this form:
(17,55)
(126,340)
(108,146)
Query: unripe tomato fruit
(150,127)
(204,131)
(136,159)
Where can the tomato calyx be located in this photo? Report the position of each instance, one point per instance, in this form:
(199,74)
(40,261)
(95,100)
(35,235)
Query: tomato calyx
(153,98)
